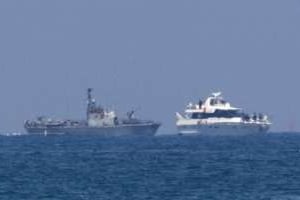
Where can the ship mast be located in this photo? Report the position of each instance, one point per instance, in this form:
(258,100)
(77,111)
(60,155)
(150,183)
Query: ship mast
(90,102)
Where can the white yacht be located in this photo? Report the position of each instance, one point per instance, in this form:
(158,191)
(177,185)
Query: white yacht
(217,116)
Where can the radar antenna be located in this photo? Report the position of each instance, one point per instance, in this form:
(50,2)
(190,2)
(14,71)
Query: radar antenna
(89,94)
(130,114)
(90,103)
(216,94)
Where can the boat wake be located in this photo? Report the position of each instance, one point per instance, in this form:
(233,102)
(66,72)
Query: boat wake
(12,134)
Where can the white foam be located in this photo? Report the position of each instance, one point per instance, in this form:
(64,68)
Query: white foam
(12,134)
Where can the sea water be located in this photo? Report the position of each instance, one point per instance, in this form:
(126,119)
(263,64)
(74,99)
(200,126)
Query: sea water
(159,168)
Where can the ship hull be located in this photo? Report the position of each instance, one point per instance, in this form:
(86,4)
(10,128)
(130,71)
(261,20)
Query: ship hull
(223,129)
(136,129)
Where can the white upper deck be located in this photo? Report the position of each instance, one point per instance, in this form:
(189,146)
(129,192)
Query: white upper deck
(214,102)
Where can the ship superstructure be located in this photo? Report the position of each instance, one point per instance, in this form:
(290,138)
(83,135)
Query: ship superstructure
(217,116)
(98,121)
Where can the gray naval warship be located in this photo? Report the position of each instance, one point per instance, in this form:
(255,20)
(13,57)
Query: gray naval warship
(98,121)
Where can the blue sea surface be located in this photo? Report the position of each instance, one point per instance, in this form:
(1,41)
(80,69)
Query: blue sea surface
(159,168)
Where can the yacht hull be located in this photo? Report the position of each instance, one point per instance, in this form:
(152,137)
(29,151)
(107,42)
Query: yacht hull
(223,129)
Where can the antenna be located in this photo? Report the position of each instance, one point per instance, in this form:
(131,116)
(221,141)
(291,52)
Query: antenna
(89,93)
(89,102)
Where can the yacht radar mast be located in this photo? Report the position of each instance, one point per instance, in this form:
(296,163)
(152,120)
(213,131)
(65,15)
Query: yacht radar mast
(216,94)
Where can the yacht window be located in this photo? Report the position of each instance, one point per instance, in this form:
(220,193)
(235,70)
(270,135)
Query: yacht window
(196,116)
(221,114)
(223,102)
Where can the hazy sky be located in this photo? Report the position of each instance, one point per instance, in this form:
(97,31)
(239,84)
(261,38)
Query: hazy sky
(153,55)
